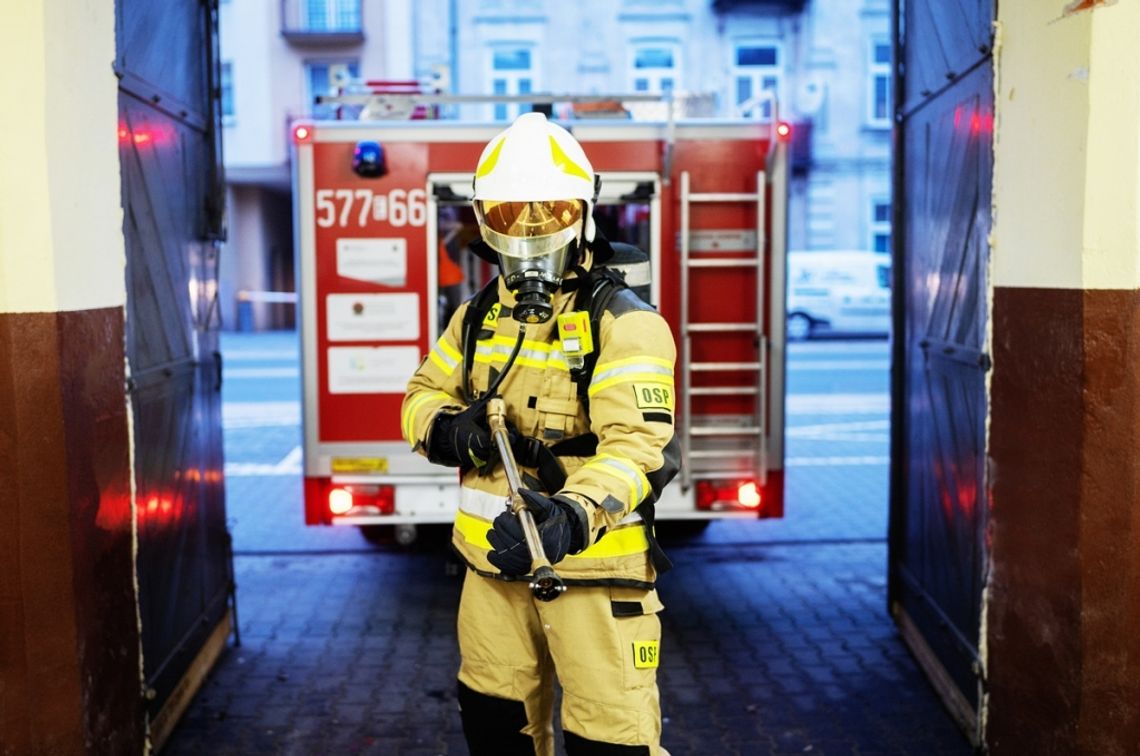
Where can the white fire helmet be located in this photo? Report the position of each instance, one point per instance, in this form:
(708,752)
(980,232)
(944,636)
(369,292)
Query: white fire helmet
(534,198)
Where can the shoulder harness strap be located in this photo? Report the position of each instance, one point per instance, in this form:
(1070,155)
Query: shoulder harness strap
(477,308)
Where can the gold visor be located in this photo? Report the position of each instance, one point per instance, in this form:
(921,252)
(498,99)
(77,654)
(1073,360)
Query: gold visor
(529,219)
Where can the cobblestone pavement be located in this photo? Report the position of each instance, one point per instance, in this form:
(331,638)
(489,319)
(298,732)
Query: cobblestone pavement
(776,637)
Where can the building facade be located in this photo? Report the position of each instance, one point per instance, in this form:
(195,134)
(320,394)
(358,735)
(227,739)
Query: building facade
(826,62)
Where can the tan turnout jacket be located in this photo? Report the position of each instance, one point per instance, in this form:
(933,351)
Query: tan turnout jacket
(631,411)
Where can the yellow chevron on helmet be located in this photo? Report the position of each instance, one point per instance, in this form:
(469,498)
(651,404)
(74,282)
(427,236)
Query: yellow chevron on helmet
(534,160)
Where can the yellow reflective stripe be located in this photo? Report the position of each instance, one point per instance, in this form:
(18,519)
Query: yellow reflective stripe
(492,160)
(409,419)
(616,543)
(564,163)
(473,529)
(448,350)
(624,470)
(445,357)
(640,368)
(532,354)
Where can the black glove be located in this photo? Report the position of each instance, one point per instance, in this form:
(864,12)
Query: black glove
(559,527)
(463,440)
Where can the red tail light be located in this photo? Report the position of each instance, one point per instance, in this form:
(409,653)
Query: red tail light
(734,494)
(302,133)
(362,499)
(784,130)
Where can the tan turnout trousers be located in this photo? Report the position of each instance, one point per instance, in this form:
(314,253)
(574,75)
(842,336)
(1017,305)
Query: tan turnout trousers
(513,646)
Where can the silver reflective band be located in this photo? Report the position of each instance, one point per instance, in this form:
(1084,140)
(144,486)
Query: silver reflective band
(629,472)
(641,368)
(498,351)
(481,504)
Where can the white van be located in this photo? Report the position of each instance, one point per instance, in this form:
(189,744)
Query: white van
(846,293)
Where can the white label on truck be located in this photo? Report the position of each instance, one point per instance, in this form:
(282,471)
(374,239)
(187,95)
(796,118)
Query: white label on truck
(382,261)
(371,370)
(373,317)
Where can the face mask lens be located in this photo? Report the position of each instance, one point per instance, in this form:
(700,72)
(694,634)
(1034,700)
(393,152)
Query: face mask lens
(524,220)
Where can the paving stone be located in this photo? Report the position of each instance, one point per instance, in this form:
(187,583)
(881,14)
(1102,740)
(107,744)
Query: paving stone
(776,635)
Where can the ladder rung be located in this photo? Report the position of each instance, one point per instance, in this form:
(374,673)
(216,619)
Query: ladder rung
(723,366)
(727,474)
(725,430)
(721,327)
(721,453)
(723,390)
(724,197)
(722,262)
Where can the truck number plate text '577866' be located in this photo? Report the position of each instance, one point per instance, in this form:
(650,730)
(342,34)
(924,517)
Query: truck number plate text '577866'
(359,207)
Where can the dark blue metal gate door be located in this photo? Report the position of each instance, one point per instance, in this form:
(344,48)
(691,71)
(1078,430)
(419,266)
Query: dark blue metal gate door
(173,195)
(943,166)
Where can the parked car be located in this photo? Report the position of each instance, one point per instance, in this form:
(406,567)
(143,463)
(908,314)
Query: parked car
(838,293)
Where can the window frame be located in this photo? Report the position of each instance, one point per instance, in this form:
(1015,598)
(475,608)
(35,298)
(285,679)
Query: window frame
(515,81)
(310,95)
(877,70)
(226,93)
(657,75)
(332,11)
(879,228)
(757,74)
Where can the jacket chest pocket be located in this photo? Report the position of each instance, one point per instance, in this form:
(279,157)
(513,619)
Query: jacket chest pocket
(559,410)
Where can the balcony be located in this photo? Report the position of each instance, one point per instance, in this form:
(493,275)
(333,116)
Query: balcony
(327,23)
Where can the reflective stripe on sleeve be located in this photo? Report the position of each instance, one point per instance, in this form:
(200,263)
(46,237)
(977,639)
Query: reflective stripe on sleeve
(643,369)
(409,419)
(625,471)
(445,356)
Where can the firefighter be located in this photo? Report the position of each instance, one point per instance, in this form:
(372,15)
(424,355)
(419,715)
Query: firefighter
(608,431)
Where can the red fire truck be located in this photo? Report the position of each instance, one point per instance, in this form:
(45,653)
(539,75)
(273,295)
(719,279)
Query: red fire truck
(381,265)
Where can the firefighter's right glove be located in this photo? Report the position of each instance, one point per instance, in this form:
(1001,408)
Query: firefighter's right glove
(463,440)
(559,526)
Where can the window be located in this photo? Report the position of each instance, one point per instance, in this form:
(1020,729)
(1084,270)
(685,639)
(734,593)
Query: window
(331,15)
(880,225)
(879,85)
(757,77)
(322,79)
(654,67)
(512,73)
(227,92)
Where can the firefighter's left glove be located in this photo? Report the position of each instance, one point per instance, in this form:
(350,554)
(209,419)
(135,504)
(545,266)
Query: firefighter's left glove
(560,526)
(463,440)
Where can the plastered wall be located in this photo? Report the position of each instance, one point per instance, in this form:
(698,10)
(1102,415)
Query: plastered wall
(1065,200)
(61,241)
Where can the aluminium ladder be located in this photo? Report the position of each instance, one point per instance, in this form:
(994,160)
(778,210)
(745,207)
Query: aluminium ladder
(723,447)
